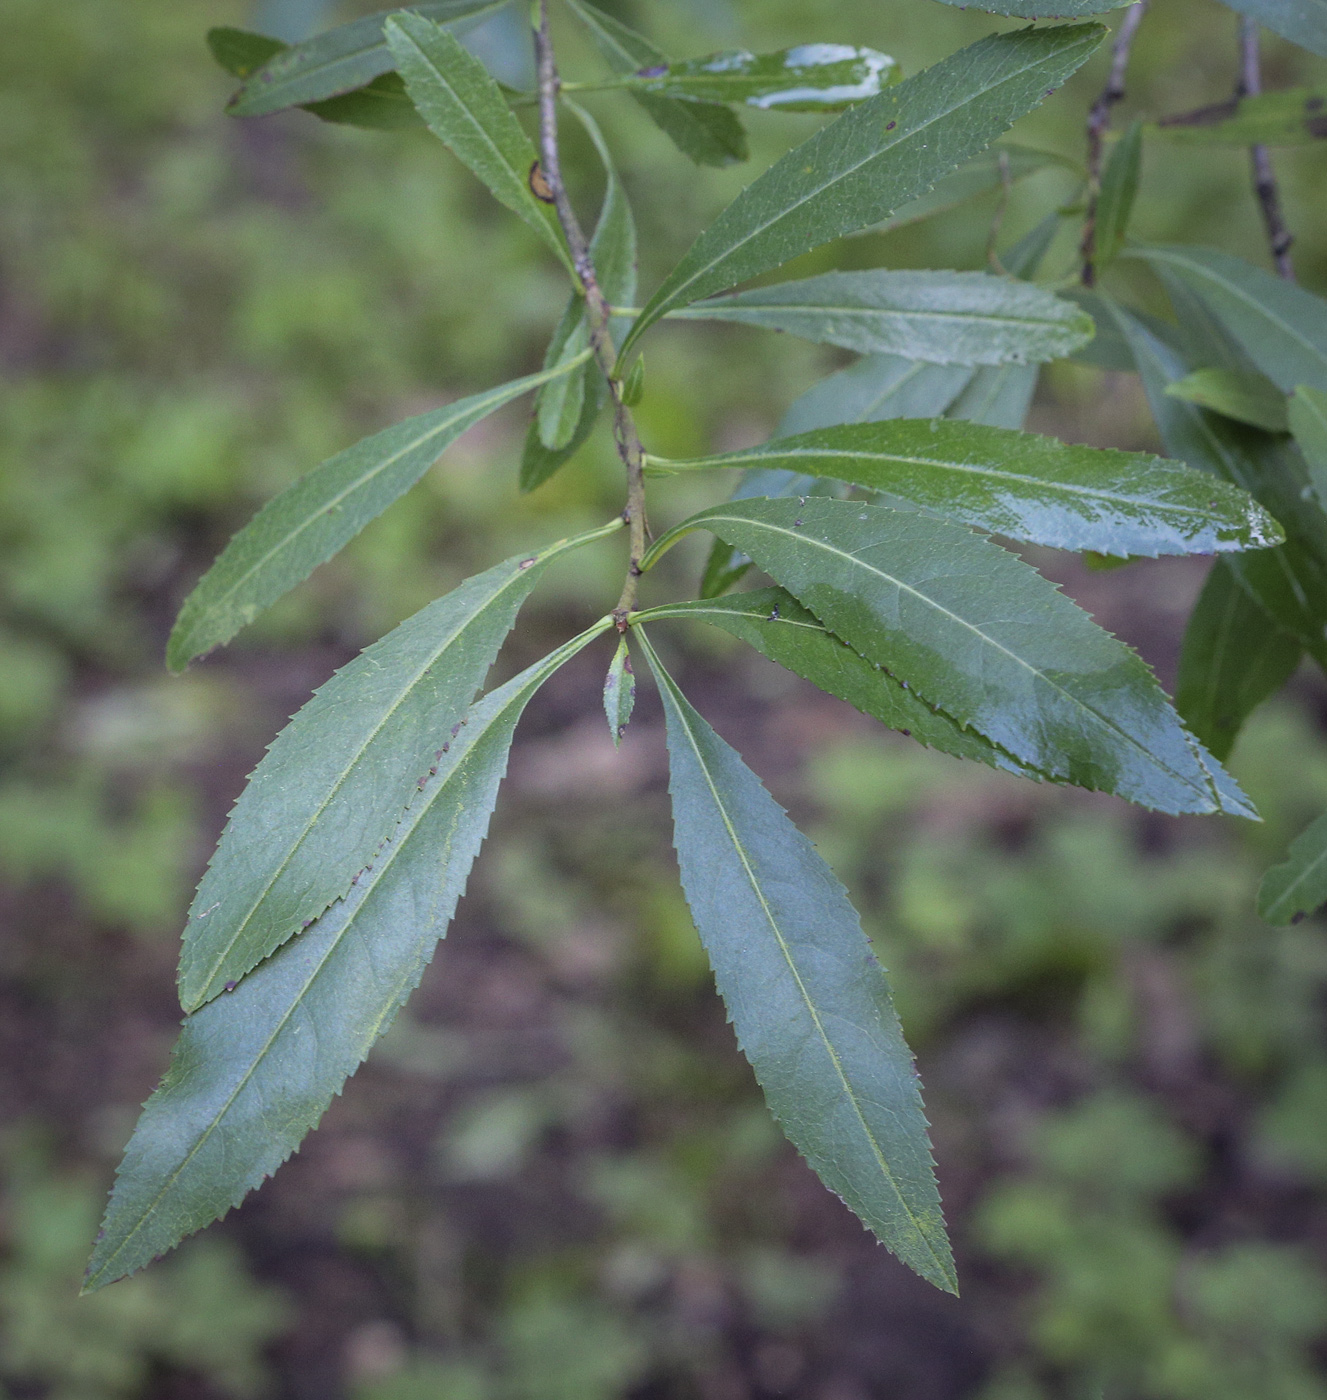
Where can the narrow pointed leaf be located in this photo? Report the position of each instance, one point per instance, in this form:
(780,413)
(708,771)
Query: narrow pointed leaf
(1308,422)
(1247,398)
(1042,9)
(808,78)
(1281,327)
(808,1001)
(312,520)
(337,60)
(998,396)
(874,159)
(706,132)
(562,400)
(466,110)
(1293,117)
(254,1070)
(977,632)
(1303,22)
(965,318)
(778,626)
(619,692)
(336,779)
(1026,487)
(1119,188)
(1234,657)
(1299,885)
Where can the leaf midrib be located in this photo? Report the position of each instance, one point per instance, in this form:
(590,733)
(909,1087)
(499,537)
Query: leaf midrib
(1285,898)
(714,311)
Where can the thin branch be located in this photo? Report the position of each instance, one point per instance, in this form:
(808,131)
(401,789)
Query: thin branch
(598,311)
(1098,123)
(1264,176)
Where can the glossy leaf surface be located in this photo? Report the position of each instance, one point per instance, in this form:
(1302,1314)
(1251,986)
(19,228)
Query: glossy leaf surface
(807,999)
(466,110)
(1294,117)
(975,631)
(254,1070)
(808,78)
(1119,188)
(310,521)
(874,159)
(778,626)
(706,132)
(1308,421)
(619,692)
(1298,886)
(1247,398)
(337,60)
(1303,22)
(336,779)
(1234,657)
(1026,487)
(964,318)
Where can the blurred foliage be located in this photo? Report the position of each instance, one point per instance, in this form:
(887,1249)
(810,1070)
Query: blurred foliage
(577,1191)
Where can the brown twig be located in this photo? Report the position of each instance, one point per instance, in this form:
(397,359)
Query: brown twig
(1098,123)
(598,311)
(1264,176)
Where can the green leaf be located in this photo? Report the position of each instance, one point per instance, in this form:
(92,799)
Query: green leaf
(466,110)
(382,105)
(946,318)
(310,521)
(1308,422)
(808,78)
(808,1001)
(241,52)
(997,395)
(619,692)
(706,132)
(562,401)
(1024,486)
(1298,886)
(1279,326)
(1293,117)
(1119,187)
(778,626)
(254,1070)
(337,778)
(975,631)
(337,60)
(1303,22)
(1234,656)
(874,159)
(1042,9)
(1243,396)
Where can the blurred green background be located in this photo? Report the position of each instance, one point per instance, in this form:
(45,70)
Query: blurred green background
(555,1178)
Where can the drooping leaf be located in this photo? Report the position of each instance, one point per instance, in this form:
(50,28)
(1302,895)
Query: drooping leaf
(977,632)
(1303,22)
(808,78)
(255,1069)
(1308,422)
(807,999)
(619,691)
(1119,188)
(613,251)
(1234,657)
(1024,486)
(466,110)
(1243,396)
(1281,327)
(1043,9)
(1298,886)
(561,401)
(778,626)
(310,521)
(336,779)
(706,132)
(874,159)
(1293,117)
(337,60)
(946,318)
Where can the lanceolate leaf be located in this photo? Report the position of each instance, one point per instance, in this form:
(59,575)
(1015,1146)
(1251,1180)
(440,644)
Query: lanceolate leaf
(337,61)
(977,632)
(1043,9)
(619,692)
(1298,886)
(1303,22)
(707,132)
(1026,487)
(874,159)
(808,1001)
(255,1069)
(778,626)
(1245,397)
(1294,117)
(997,395)
(1279,326)
(966,318)
(310,521)
(1119,187)
(1234,657)
(465,108)
(1308,422)
(337,778)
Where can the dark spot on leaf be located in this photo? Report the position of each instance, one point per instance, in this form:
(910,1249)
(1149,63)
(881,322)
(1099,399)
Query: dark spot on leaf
(525,563)
(656,70)
(541,190)
(797,522)
(230,986)
(889,126)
